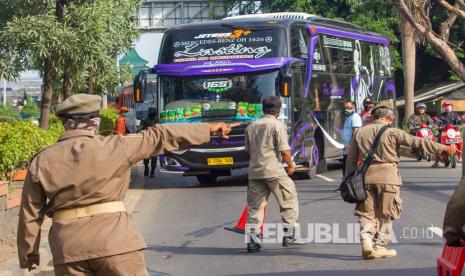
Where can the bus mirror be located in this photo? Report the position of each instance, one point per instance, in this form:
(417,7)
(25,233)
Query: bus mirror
(139,86)
(285,86)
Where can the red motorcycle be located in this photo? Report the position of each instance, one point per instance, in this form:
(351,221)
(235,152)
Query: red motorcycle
(423,131)
(451,136)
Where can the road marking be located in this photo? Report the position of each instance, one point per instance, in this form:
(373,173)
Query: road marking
(133,198)
(436,230)
(325,178)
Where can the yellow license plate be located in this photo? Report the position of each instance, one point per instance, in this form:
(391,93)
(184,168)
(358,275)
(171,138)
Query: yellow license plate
(220,161)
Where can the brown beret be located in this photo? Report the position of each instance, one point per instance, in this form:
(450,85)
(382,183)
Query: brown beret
(79,104)
(389,104)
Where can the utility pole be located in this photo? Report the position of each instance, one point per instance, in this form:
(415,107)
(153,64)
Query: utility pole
(4,92)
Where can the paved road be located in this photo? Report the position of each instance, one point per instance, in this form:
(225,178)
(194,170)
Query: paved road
(183,223)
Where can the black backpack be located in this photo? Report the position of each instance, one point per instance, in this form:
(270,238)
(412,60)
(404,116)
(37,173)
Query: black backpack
(352,188)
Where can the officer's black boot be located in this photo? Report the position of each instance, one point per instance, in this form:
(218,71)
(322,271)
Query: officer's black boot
(254,246)
(152,173)
(146,171)
(289,239)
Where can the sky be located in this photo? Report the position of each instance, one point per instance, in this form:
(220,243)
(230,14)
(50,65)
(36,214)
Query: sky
(148,47)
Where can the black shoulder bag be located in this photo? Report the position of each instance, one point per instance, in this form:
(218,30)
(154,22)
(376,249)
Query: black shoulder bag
(352,188)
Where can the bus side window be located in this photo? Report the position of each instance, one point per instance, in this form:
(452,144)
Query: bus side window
(298,84)
(299,41)
(339,54)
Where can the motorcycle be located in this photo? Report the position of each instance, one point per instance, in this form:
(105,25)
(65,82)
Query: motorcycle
(423,131)
(451,136)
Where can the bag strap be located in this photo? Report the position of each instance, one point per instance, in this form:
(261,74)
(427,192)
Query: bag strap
(371,152)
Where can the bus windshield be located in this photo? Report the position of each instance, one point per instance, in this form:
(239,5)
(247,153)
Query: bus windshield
(222,97)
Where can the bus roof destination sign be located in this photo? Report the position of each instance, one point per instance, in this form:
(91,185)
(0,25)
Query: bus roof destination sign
(222,44)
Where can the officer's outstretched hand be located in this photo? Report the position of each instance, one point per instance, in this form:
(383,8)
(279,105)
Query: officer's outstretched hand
(452,150)
(222,129)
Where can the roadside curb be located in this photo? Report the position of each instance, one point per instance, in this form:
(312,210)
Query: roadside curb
(11,266)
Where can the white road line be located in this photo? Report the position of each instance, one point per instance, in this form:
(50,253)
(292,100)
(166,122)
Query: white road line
(325,178)
(436,230)
(133,197)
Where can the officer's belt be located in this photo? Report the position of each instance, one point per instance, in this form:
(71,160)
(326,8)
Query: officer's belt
(91,210)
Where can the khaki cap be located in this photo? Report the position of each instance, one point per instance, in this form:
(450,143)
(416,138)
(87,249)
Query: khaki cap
(389,104)
(79,104)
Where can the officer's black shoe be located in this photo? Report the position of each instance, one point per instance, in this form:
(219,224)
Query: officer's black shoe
(253,246)
(291,240)
(146,172)
(152,175)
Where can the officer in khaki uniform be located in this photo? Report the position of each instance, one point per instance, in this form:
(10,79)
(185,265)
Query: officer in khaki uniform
(266,141)
(80,182)
(383,204)
(454,219)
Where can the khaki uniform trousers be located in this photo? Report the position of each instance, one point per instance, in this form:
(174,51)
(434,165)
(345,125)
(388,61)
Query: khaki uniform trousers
(376,214)
(283,188)
(131,263)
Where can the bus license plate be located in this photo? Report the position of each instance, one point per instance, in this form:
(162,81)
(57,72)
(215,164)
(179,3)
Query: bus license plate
(220,161)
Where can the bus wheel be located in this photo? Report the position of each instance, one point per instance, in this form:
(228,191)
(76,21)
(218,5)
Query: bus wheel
(320,161)
(453,161)
(207,179)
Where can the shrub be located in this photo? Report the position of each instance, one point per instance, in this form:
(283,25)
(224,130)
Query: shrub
(8,114)
(20,141)
(31,109)
(108,118)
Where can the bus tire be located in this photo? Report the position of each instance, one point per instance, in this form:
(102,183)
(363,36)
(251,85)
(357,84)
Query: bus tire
(321,165)
(453,161)
(207,179)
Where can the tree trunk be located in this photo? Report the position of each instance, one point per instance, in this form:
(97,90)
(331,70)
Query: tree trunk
(90,81)
(66,81)
(46,96)
(408,59)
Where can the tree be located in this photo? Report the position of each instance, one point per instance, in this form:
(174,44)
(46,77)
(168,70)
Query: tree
(408,57)
(72,41)
(418,14)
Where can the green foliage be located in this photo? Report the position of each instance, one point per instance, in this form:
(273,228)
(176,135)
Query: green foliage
(30,109)
(372,15)
(20,141)
(85,35)
(108,118)
(8,114)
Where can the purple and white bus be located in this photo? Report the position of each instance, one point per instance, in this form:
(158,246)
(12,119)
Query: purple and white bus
(221,70)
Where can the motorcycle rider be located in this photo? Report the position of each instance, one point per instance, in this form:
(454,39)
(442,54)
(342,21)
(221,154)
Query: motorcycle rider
(447,117)
(419,118)
(366,112)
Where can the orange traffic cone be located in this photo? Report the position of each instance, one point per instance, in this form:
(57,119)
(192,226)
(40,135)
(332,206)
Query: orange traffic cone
(240,225)
(451,261)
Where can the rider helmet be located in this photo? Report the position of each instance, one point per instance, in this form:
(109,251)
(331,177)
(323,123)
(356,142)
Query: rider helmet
(421,105)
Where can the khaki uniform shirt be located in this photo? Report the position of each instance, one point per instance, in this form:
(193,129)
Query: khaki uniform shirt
(83,169)
(384,170)
(264,140)
(454,220)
